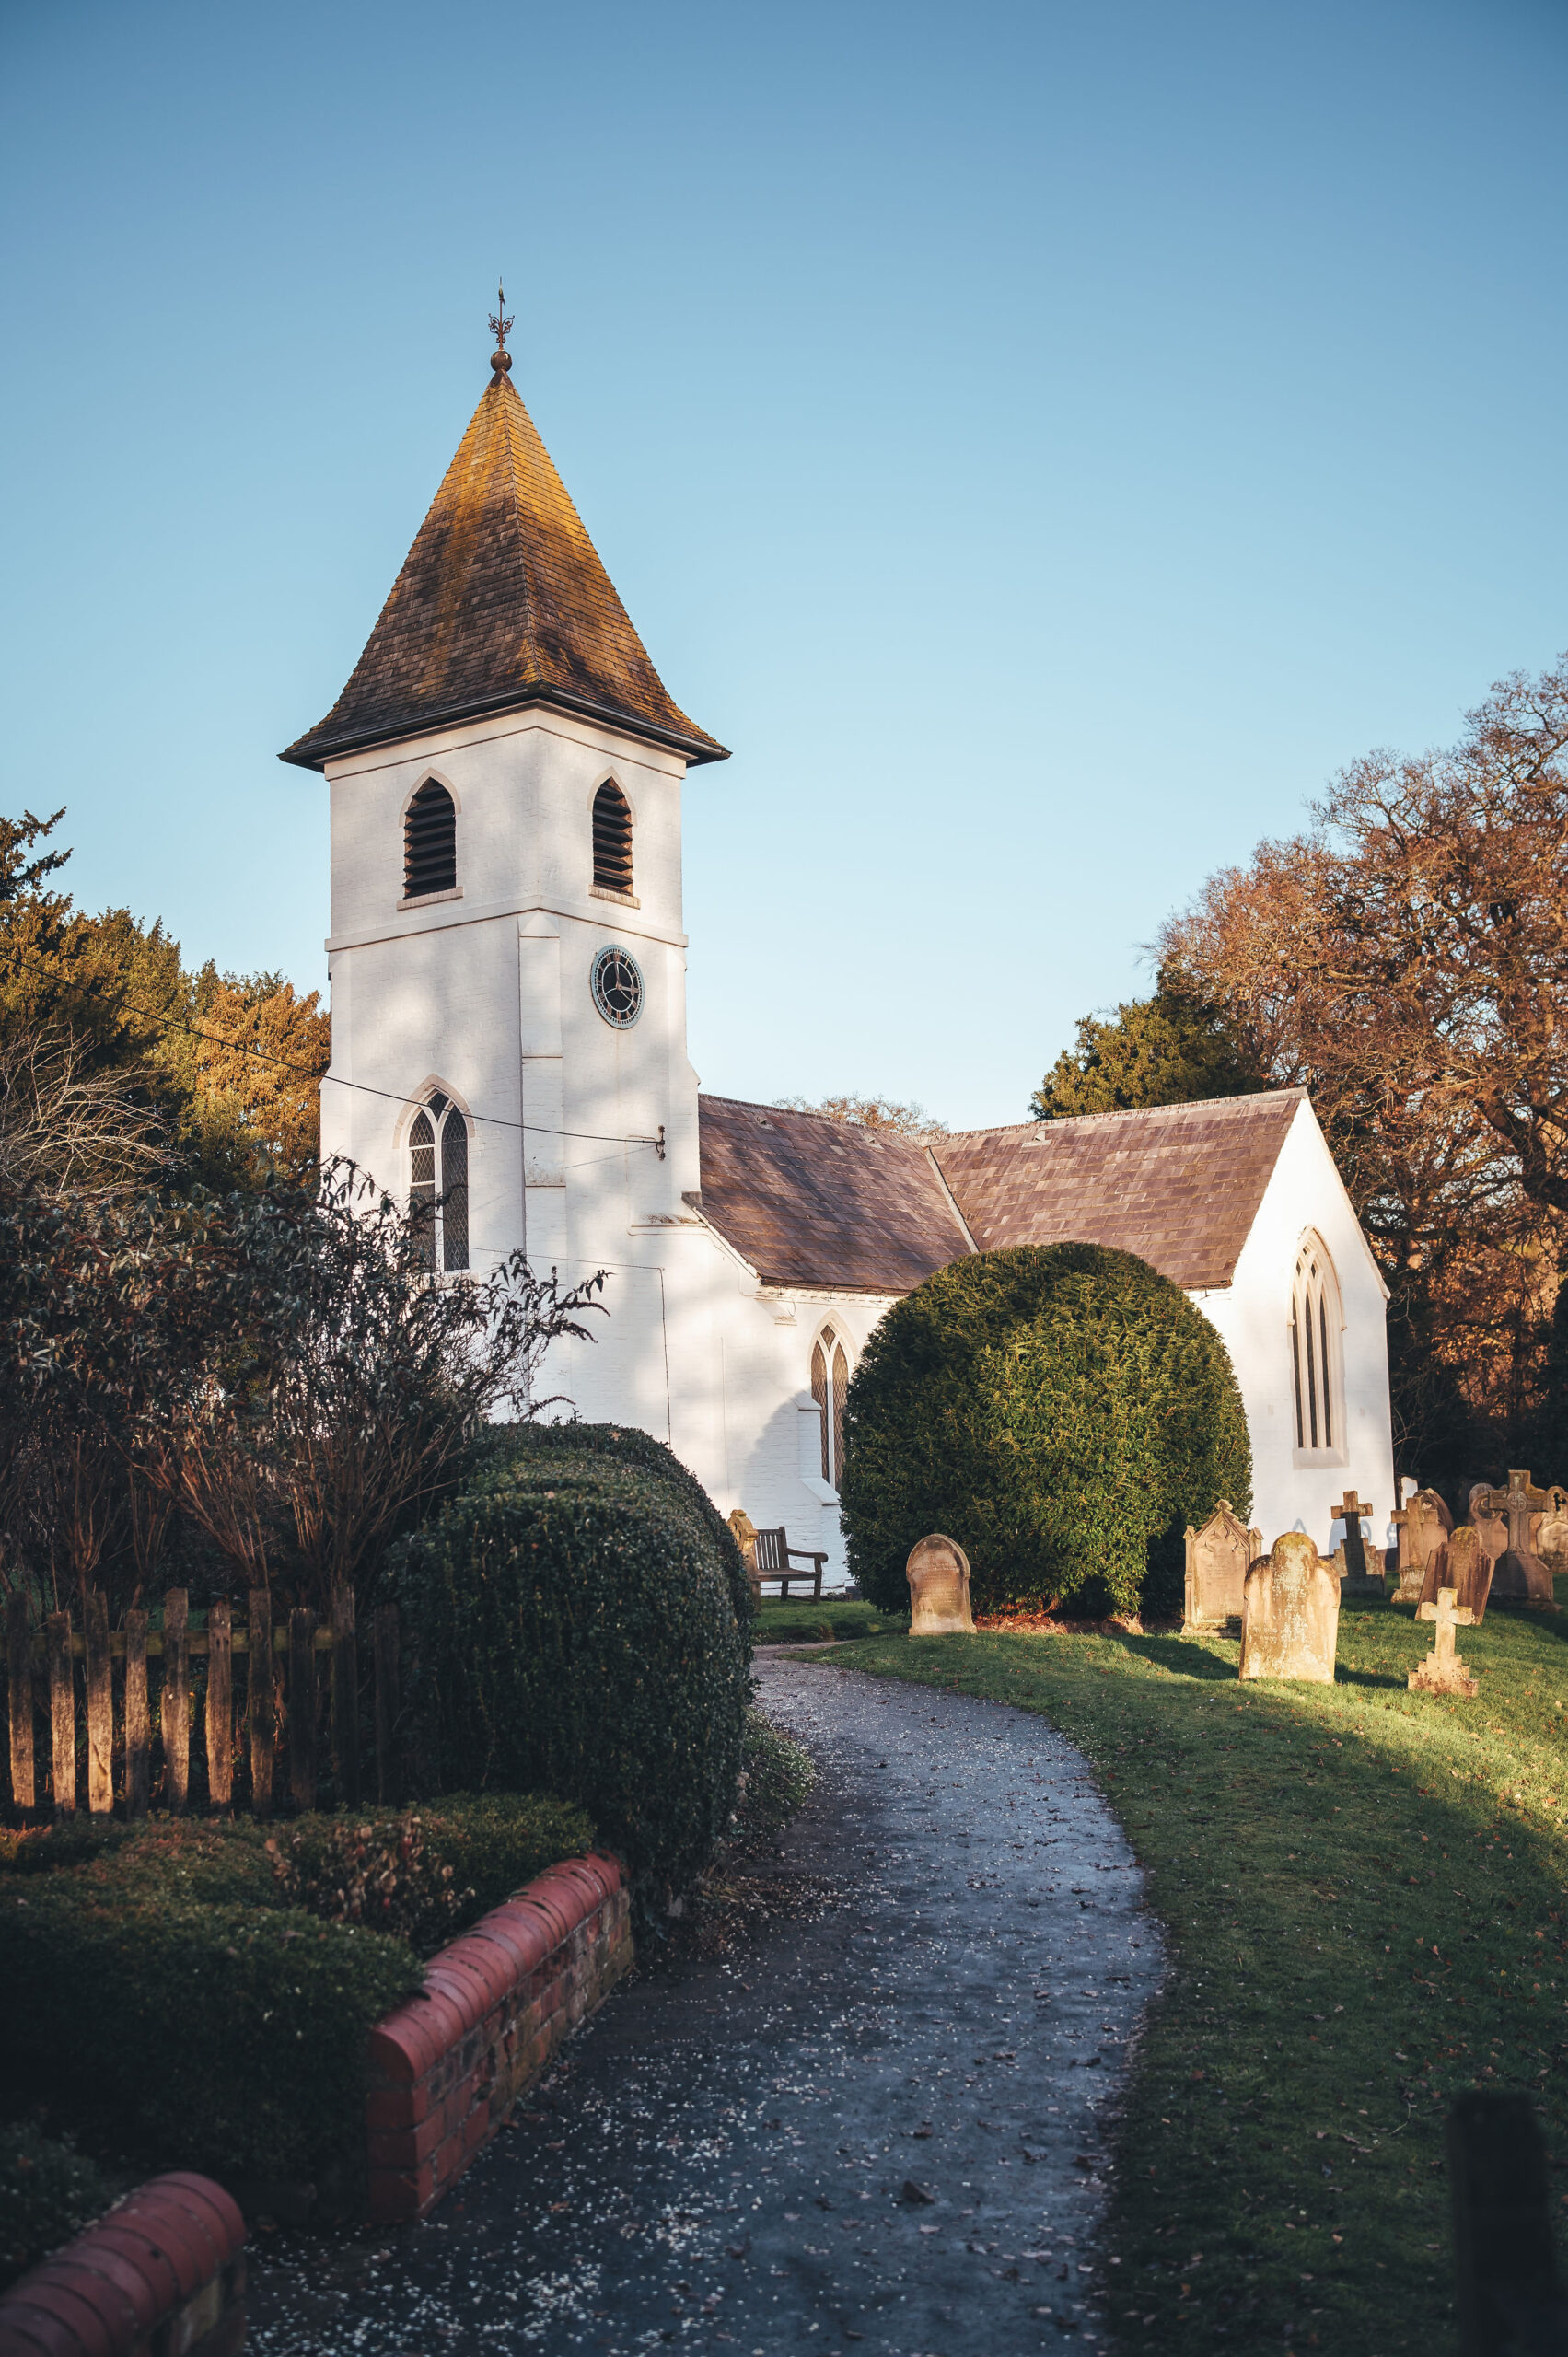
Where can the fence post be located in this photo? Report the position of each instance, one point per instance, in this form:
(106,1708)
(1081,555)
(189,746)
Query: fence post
(62,1710)
(302,1708)
(220,1705)
(385,1645)
(345,1699)
(18,1662)
(258,1701)
(138,1732)
(176,1696)
(100,1704)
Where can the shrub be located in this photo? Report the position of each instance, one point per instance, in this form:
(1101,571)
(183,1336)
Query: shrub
(780,1778)
(1061,1410)
(572,1624)
(48,2193)
(625,1445)
(423,1874)
(223,2037)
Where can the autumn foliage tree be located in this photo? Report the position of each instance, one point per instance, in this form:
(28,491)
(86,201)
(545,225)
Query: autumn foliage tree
(1406,958)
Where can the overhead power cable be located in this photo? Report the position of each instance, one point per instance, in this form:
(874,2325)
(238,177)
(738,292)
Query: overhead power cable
(163,1022)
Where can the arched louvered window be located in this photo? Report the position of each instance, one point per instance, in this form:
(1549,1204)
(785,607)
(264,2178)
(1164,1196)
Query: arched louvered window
(612,839)
(830,1385)
(430,842)
(1314,1326)
(438,1147)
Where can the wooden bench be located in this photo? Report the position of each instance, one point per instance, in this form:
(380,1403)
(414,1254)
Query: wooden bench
(772,1555)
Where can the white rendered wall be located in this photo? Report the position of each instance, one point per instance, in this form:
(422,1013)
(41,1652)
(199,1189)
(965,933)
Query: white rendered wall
(1290,1487)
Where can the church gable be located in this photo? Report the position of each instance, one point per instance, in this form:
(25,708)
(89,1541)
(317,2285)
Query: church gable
(1180,1185)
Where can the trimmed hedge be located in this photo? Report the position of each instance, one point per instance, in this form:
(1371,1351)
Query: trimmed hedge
(625,1445)
(1062,1411)
(227,2036)
(570,1622)
(164,1987)
(48,2193)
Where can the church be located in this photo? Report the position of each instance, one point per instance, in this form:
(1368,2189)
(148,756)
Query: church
(508,1020)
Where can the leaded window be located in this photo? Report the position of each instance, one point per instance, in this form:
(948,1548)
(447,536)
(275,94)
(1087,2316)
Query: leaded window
(830,1387)
(1315,1325)
(438,1147)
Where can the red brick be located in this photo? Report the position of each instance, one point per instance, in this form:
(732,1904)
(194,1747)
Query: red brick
(402,2046)
(207,2198)
(405,2148)
(396,2197)
(129,2244)
(181,2241)
(103,2265)
(33,2332)
(388,2107)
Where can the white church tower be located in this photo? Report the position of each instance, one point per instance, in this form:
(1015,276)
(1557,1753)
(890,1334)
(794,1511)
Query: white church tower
(507,952)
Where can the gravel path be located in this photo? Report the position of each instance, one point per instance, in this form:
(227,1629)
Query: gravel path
(875,2130)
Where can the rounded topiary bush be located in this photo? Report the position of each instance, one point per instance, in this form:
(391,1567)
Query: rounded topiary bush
(1062,1411)
(571,1627)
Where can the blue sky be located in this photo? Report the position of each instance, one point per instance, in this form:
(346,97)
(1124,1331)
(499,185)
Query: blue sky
(1044,442)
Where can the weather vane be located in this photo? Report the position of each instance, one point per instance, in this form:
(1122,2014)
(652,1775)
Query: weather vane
(500,359)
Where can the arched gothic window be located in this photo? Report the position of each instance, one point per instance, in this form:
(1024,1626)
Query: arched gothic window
(1315,1324)
(430,842)
(830,1383)
(612,839)
(438,1148)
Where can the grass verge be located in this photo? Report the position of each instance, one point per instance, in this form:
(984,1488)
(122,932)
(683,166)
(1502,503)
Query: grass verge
(792,1621)
(1363,1892)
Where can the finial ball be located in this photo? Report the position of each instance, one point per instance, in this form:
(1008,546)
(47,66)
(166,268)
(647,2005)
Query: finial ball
(501,361)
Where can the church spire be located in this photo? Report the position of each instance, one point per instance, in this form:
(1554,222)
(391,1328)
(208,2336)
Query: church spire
(502,602)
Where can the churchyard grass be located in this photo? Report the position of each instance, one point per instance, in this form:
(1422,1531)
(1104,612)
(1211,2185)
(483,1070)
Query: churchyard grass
(797,1620)
(1364,1895)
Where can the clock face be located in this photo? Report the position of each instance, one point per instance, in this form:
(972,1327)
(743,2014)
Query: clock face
(617,987)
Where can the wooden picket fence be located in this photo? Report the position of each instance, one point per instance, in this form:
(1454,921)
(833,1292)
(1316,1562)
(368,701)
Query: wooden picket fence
(283,1692)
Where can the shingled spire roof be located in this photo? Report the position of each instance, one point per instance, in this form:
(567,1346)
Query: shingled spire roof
(502,601)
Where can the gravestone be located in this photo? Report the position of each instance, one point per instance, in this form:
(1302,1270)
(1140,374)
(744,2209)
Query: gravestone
(938,1575)
(1463,1565)
(1423,1523)
(1363,1572)
(1443,1671)
(744,1532)
(1521,1577)
(1551,1537)
(1218,1561)
(1290,1613)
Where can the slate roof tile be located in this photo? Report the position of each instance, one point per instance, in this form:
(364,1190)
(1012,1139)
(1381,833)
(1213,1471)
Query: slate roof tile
(502,601)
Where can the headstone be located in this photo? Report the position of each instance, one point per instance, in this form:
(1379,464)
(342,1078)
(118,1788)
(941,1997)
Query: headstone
(1463,1565)
(1290,1614)
(1521,1577)
(1551,1538)
(938,1575)
(1362,1569)
(744,1532)
(1218,1560)
(1443,1671)
(1423,1523)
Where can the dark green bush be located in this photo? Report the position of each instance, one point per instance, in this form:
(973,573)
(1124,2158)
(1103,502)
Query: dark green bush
(623,1445)
(48,2193)
(424,1874)
(570,1623)
(223,2037)
(1061,1410)
(780,1778)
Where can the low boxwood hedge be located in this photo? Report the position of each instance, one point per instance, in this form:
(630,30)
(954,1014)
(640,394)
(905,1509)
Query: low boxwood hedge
(1061,1410)
(48,2193)
(573,1621)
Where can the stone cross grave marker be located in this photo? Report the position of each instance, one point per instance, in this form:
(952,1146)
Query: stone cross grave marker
(1423,1523)
(1443,1671)
(1290,1613)
(1551,1537)
(1520,1577)
(1463,1565)
(1361,1578)
(1218,1558)
(938,1575)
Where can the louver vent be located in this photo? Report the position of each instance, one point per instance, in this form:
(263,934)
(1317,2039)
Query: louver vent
(612,839)
(430,842)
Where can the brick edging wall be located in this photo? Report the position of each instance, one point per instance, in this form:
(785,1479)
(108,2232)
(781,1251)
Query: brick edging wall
(163,2270)
(446,2068)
